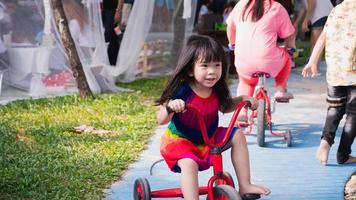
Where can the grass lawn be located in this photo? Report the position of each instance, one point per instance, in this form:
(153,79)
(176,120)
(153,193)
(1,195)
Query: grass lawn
(42,157)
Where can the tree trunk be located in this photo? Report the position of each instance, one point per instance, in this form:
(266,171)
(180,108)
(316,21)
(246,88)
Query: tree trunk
(69,46)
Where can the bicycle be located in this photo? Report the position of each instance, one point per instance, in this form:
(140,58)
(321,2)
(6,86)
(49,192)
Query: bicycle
(220,186)
(263,114)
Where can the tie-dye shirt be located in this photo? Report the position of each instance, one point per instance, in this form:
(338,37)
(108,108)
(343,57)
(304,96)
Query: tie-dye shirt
(186,124)
(183,138)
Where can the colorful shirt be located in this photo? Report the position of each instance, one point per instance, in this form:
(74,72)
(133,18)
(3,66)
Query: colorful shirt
(185,124)
(256,42)
(182,138)
(340,49)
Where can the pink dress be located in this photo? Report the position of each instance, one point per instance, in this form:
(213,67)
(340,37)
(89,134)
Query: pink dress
(256,42)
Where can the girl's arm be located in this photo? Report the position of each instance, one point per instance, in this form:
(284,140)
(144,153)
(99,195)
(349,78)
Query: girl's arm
(311,68)
(239,99)
(166,111)
(290,41)
(118,10)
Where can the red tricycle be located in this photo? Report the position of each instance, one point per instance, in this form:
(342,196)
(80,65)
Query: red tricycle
(220,185)
(264,113)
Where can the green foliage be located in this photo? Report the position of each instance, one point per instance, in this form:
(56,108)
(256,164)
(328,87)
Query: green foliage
(304,55)
(42,157)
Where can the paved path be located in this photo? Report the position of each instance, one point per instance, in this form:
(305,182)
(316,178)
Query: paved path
(291,173)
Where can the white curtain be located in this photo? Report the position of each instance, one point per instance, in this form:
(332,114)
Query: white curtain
(136,32)
(149,35)
(38,64)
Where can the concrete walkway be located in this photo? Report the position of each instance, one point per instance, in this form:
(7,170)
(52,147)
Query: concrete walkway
(291,173)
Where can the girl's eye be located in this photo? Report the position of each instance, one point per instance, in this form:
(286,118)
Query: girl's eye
(204,65)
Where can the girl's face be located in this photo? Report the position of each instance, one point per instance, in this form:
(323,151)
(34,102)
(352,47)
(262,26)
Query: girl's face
(206,74)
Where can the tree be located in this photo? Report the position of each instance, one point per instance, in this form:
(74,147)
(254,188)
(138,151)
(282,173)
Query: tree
(69,46)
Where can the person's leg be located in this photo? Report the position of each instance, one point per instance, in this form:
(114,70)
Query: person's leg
(189,178)
(110,35)
(241,162)
(349,131)
(246,86)
(282,77)
(108,22)
(336,99)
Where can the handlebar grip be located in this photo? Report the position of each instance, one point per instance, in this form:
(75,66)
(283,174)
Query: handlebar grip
(248,104)
(291,51)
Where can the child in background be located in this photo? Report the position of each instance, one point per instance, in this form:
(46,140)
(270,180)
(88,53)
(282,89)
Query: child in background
(316,14)
(255,26)
(339,40)
(199,80)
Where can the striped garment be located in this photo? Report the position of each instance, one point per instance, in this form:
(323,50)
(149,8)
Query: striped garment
(183,138)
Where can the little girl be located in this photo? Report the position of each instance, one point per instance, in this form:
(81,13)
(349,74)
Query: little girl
(255,25)
(199,80)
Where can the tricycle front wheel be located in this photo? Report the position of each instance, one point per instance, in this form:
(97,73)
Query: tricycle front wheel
(225,192)
(142,190)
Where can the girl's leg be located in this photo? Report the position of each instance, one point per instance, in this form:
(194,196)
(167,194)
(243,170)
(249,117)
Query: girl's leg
(189,178)
(347,138)
(282,77)
(349,132)
(241,162)
(246,87)
(336,99)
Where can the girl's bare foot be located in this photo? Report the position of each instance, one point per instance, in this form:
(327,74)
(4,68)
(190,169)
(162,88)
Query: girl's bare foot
(322,154)
(254,189)
(351,160)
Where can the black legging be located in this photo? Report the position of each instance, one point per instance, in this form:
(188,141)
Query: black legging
(110,35)
(342,100)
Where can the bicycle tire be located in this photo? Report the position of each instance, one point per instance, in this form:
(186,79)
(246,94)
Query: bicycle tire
(142,190)
(261,121)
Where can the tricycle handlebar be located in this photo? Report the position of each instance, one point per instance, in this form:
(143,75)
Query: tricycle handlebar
(203,128)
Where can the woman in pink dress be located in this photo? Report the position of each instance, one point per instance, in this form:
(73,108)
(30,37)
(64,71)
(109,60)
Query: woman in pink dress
(254,26)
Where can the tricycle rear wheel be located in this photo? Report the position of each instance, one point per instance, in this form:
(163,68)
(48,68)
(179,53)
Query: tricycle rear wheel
(261,121)
(289,138)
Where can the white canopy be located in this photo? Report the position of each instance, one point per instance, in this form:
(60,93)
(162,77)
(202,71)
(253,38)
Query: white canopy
(38,65)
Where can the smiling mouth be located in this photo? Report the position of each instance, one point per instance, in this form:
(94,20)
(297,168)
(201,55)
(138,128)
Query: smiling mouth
(210,79)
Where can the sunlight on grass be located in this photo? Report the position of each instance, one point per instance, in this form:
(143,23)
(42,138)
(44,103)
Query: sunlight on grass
(44,158)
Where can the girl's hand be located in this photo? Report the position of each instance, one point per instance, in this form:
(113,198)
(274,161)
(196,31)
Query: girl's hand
(177,105)
(253,102)
(310,70)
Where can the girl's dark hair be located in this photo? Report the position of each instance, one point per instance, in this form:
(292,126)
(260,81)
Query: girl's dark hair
(257,10)
(198,48)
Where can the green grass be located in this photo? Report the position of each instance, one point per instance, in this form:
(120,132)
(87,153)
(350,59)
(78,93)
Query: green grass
(41,157)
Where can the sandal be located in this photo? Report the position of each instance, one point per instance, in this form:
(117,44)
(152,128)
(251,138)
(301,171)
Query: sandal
(283,96)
